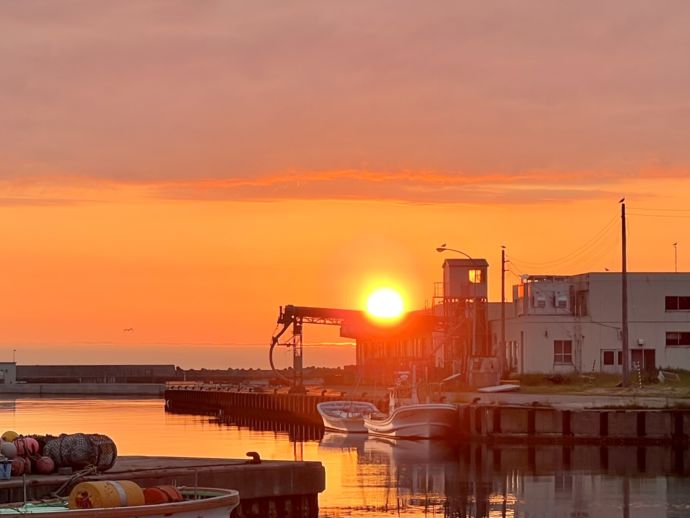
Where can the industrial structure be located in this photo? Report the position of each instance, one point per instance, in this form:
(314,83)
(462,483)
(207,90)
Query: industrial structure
(450,339)
(8,373)
(555,324)
(95,373)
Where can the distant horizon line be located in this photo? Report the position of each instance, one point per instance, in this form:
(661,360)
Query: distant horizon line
(169,344)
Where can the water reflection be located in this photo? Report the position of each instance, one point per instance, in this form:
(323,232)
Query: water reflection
(368,477)
(431,478)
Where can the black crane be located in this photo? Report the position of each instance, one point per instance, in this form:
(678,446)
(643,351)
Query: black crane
(296,317)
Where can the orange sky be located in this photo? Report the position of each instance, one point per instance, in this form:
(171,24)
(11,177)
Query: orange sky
(184,169)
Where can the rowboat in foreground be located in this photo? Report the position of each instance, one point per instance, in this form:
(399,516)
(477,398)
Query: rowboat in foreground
(197,502)
(345,416)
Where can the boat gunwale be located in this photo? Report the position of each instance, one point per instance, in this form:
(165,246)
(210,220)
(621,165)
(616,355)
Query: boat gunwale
(227,498)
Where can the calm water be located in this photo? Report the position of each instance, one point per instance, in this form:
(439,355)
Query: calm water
(369,477)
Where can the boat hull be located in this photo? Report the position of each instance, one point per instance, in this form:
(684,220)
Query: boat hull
(423,421)
(212,503)
(345,416)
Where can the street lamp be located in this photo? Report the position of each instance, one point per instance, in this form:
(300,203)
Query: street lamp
(444,248)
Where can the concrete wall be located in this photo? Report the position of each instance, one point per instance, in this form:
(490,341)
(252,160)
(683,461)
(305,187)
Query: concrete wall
(96,373)
(546,424)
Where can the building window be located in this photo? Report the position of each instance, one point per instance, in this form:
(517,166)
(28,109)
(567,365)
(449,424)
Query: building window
(677,338)
(608,357)
(563,352)
(612,357)
(475,276)
(675,303)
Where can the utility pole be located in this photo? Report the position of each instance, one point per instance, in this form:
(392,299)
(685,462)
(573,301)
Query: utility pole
(502,346)
(624,301)
(675,255)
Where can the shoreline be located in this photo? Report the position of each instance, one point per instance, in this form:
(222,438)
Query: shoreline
(84,389)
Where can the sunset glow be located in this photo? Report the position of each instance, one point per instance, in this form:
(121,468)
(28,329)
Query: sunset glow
(385,304)
(168,168)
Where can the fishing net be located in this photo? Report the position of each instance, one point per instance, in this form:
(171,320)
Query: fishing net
(80,450)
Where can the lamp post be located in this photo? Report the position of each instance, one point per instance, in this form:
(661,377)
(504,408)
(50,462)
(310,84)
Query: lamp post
(444,248)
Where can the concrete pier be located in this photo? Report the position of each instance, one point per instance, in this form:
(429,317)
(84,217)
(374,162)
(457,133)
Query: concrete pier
(280,406)
(518,423)
(480,421)
(271,488)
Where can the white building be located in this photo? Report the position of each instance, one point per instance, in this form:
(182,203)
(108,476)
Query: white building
(573,323)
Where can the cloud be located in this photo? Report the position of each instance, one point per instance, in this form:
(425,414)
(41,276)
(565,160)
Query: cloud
(407,186)
(411,187)
(171,91)
(425,187)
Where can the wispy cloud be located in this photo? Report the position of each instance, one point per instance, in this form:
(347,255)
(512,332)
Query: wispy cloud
(413,187)
(406,186)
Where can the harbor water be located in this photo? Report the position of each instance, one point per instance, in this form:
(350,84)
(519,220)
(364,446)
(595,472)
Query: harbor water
(367,477)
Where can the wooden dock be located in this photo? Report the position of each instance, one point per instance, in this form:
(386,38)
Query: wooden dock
(269,488)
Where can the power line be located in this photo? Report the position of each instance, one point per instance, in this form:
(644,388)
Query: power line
(585,248)
(685,216)
(650,209)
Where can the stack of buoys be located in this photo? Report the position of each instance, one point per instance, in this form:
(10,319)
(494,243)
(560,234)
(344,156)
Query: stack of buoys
(25,454)
(106,493)
(80,450)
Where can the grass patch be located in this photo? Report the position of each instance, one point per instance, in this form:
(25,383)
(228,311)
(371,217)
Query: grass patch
(569,382)
(676,383)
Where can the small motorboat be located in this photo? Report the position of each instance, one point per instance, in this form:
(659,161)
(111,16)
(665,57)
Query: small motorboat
(414,421)
(198,502)
(345,416)
(410,419)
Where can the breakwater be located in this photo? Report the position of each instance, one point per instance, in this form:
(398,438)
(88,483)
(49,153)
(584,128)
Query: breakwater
(510,423)
(477,422)
(296,408)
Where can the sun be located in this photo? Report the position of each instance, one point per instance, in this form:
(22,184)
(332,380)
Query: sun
(385,304)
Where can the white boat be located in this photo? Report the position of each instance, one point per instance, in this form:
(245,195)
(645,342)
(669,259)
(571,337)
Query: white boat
(198,503)
(506,387)
(414,421)
(410,419)
(345,416)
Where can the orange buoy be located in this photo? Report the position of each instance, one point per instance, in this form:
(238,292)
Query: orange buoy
(44,465)
(26,446)
(18,467)
(106,493)
(162,495)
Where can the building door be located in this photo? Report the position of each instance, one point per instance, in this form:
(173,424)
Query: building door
(645,357)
